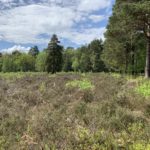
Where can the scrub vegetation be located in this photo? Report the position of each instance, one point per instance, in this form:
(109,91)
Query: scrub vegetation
(73,111)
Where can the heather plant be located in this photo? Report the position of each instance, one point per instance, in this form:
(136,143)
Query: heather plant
(72,112)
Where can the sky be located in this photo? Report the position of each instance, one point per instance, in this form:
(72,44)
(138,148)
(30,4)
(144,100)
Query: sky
(25,23)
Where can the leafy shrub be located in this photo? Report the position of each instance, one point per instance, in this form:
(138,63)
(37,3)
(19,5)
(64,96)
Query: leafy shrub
(143,88)
(83,84)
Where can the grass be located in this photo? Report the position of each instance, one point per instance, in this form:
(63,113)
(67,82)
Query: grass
(73,111)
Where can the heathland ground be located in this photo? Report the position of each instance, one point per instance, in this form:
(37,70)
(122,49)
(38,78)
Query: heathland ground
(74,111)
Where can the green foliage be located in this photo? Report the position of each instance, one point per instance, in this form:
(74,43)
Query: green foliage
(85,63)
(103,140)
(42,87)
(83,84)
(124,47)
(87,58)
(18,75)
(17,62)
(34,51)
(26,63)
(53,59)
(143,88)
(40,62)
(54,56)
(75,65)
(96,49)
(68,59)
(8,64)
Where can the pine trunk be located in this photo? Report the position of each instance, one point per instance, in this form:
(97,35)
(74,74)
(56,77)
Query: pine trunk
(133,60)
(147,69)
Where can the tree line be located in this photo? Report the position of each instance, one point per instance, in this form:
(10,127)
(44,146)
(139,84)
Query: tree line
(55,58)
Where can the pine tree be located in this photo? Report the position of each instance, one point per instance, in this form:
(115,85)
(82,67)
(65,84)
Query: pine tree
(54,56)
(139,11)
(130,20)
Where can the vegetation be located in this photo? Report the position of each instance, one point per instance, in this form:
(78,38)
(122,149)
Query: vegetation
(81,84)
(34,51)
(54,56)
(126,37)
(144,88)
(72,111)
(55,59)
(40,63)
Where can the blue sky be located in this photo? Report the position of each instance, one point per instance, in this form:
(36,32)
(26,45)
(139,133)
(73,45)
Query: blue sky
(25,23)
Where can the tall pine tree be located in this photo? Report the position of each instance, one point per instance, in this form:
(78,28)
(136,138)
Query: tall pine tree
(130,20)
(139,11)
(54,56)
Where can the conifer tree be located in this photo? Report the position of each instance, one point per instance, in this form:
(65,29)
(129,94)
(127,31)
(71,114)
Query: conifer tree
(54,56)
(130,20)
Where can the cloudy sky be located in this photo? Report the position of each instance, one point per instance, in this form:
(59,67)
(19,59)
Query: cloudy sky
(25,23)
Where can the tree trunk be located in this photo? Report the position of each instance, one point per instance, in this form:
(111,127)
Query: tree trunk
(133,60)
(126,61)
(147,68)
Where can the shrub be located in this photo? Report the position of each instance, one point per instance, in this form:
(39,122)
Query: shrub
(83,84)
(71,112)
(143,88)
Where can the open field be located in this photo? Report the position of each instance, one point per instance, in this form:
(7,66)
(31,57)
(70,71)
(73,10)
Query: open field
(73,111)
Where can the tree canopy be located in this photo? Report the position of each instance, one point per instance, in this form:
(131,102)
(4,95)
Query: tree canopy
(126,37)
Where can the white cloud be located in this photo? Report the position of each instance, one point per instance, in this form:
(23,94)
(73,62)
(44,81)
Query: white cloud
(85,36)
(97,18)
(25,24)
(6,1)
(84,5)
(14,48)
(93,5)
